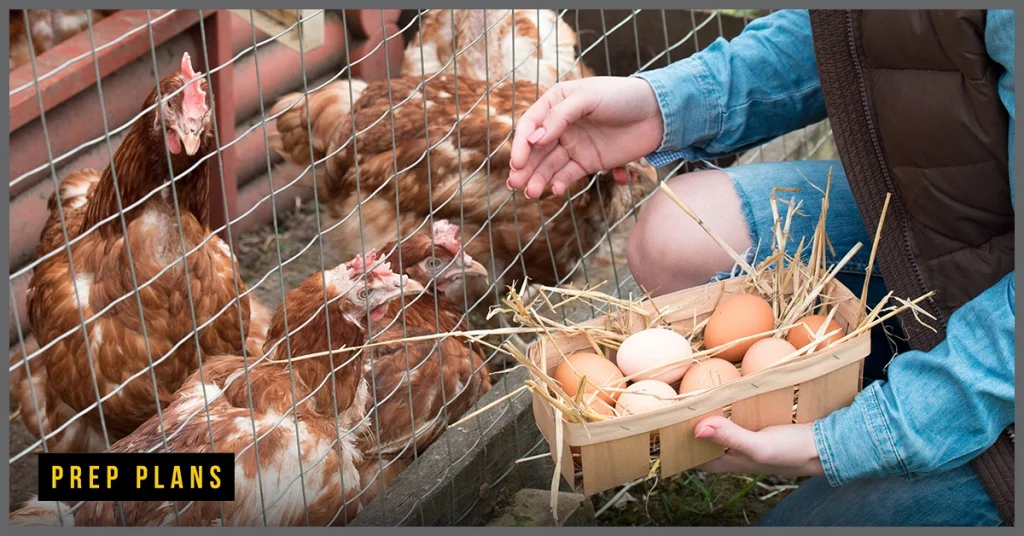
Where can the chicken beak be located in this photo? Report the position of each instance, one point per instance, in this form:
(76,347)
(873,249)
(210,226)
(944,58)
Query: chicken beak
(410,287)
(191,143)
(475,268)
(460,271)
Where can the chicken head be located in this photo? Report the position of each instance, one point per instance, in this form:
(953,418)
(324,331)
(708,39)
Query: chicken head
(187,113)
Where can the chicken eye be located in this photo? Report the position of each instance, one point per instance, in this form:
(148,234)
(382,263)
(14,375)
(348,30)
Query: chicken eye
(434,263)
(362,294)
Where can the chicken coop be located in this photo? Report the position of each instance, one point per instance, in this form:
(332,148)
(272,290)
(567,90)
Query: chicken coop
(194,193)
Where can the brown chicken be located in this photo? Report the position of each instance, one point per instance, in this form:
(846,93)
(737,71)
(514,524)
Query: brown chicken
(514,39)
(420,387)
(49,28)
(454,180)
(317,403)
(117,345)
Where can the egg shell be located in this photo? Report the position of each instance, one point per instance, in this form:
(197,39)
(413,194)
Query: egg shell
(598,370)
(652,347)
(742,315)
(765,353)
(706,374)
(634,401)
(799,336)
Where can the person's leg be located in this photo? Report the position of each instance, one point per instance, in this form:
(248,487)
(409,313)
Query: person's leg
(668,251)
(953,498)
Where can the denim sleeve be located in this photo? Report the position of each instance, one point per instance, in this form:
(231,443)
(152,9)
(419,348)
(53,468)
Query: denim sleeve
(939,409)
(736,95)
(999,38)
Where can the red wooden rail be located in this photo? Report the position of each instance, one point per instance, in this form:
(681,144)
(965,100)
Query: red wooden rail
(129,32)
(81,74)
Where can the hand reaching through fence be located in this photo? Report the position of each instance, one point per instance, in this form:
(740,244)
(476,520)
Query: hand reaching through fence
(582,127)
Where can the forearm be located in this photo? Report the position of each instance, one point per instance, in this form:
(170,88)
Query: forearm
(735,95)
(939,409)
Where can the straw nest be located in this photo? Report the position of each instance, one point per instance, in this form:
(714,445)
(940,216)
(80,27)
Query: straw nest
(796,285)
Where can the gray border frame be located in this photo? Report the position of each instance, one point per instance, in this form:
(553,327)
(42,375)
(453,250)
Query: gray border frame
(407,4)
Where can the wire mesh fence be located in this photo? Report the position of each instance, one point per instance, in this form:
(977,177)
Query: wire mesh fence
(203,288)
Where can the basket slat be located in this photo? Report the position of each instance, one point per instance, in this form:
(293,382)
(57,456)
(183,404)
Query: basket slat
(545,416)
(768,409)
(835,390)
(681,450)
(608,464)
(618,451)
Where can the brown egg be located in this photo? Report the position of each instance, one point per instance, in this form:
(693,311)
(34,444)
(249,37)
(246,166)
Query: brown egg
(598,370)
(799,336)
(706,374)
(644,396)
(740,316)
(763,354)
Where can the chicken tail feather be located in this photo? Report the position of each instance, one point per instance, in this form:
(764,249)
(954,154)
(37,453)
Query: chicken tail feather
(36,513)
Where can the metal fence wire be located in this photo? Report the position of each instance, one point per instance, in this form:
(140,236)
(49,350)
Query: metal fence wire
(120,320)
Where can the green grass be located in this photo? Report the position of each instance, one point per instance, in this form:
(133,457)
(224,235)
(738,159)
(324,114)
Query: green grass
(695,499)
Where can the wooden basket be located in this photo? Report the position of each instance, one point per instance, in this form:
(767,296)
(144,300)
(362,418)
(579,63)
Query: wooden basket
(617,451)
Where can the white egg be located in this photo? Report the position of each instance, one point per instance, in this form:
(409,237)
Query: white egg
(644,396)
(652,347)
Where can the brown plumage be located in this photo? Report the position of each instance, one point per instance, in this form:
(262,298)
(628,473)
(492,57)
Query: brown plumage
(61,378)
(49,28)
(538,43)
(307,414)
(421,387)
(455,179)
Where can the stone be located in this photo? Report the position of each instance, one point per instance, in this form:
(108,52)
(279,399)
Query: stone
(532,508)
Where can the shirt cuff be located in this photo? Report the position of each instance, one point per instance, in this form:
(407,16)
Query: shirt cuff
(856,442)
(690,109)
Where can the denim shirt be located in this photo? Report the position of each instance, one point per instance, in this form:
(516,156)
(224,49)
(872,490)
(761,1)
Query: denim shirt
(938,409)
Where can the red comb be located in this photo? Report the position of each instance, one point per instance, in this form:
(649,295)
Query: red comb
(359,265)
(445,235)
(194,102)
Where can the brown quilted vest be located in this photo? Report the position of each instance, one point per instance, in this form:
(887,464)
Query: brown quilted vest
(913,103)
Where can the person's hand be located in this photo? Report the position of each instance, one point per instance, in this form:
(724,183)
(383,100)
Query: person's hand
(785,450)
(581,127)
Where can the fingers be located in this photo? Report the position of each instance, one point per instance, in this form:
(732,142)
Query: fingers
(541,126)
(571,172)
(555,160)
(519,178)
(728,463)
(560,116)
(731,436)
(528,124)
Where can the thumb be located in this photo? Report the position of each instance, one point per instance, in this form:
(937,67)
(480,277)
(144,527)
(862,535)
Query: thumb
(727,434)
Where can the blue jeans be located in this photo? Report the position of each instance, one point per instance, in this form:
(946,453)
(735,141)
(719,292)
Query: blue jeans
(955,497)
(844,226)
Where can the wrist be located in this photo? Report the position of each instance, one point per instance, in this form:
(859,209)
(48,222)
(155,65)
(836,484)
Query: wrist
(811,460)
